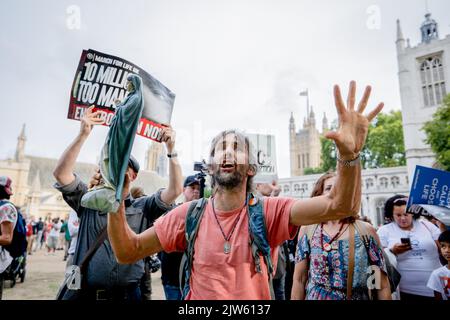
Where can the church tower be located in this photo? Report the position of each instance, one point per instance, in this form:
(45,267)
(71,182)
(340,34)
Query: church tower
(20,148)
(305,146)
(325,127)
(292,144)
(423,73)
(312,118)
(34,196)
(429,29)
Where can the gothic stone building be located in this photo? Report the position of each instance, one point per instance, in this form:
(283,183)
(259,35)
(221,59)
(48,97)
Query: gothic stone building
(423,71)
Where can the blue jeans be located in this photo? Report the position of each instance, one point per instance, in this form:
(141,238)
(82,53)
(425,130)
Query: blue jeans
(172,292)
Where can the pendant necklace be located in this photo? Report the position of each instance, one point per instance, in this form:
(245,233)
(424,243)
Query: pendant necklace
(227,245)
(327,246)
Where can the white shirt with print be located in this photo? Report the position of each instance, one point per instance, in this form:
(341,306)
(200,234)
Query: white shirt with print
(415,265)
(440,282)
(8,213)
(54,232)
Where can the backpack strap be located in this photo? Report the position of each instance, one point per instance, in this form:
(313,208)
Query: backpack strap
(431,234)
(351,260)
(361,228)
(192,223)
(258,237)
(364,234)
(77,278)
(98,242)
(310,230)
(258,241)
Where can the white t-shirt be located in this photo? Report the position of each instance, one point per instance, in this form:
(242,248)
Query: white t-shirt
(8,213)
(54,232)
(440,281)
(73,225)
(415,265)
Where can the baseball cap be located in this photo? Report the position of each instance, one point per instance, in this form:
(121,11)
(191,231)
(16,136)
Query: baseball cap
(5,182)
(133,164)
(190,180)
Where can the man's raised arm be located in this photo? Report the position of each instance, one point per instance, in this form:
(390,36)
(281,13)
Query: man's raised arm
(128,246)
(63,172)
(345,198)
(175,188)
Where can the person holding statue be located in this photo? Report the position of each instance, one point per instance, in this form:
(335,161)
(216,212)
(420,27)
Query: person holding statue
(104,278)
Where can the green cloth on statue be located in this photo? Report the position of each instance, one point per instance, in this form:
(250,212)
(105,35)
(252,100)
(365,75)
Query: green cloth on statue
(116,151)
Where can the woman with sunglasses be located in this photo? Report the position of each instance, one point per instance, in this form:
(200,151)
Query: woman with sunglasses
(413,242)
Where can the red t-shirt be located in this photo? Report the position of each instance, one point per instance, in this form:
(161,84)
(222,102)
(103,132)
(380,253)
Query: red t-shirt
(29,230)
(216,275)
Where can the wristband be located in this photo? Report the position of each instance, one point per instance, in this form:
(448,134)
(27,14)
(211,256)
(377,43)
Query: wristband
(350,163)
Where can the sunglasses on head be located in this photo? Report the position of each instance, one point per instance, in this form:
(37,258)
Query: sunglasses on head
(400,201)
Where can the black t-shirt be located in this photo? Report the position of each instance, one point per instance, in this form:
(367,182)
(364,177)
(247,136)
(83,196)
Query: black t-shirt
(34,226)
(170,267)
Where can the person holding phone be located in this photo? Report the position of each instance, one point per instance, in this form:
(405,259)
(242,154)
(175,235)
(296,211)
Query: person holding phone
(414,242)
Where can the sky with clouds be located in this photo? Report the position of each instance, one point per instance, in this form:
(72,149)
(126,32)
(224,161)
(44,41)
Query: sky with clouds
(232,64)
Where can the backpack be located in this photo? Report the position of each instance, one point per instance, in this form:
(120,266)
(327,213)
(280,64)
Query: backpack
(258,240)
(19,242)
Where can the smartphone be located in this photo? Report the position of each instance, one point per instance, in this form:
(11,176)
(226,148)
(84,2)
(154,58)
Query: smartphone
(406,241)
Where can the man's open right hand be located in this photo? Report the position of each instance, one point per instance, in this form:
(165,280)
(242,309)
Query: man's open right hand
(89,119)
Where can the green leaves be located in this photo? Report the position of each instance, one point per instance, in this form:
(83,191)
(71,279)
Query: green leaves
(438,134)
(384,145)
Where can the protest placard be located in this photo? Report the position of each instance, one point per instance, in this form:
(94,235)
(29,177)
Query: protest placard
(101,79)
(430,186)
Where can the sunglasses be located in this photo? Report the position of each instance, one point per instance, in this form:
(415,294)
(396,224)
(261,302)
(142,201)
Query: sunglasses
(400,201)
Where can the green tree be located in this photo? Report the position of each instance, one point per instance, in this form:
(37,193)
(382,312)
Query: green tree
(207,192)
(384,145)
(328,154)
(438,134)
(309,171)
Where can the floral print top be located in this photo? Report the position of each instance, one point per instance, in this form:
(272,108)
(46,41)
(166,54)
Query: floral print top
(327,275)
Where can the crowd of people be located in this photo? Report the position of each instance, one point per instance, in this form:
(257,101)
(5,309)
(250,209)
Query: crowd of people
(51,234)
(245,242)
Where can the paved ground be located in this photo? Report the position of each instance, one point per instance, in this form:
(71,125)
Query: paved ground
(44,275)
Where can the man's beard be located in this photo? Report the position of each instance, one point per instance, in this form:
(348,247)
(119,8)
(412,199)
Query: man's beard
(230,180)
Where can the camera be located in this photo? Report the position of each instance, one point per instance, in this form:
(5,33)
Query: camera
(202,169)
(200,166)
